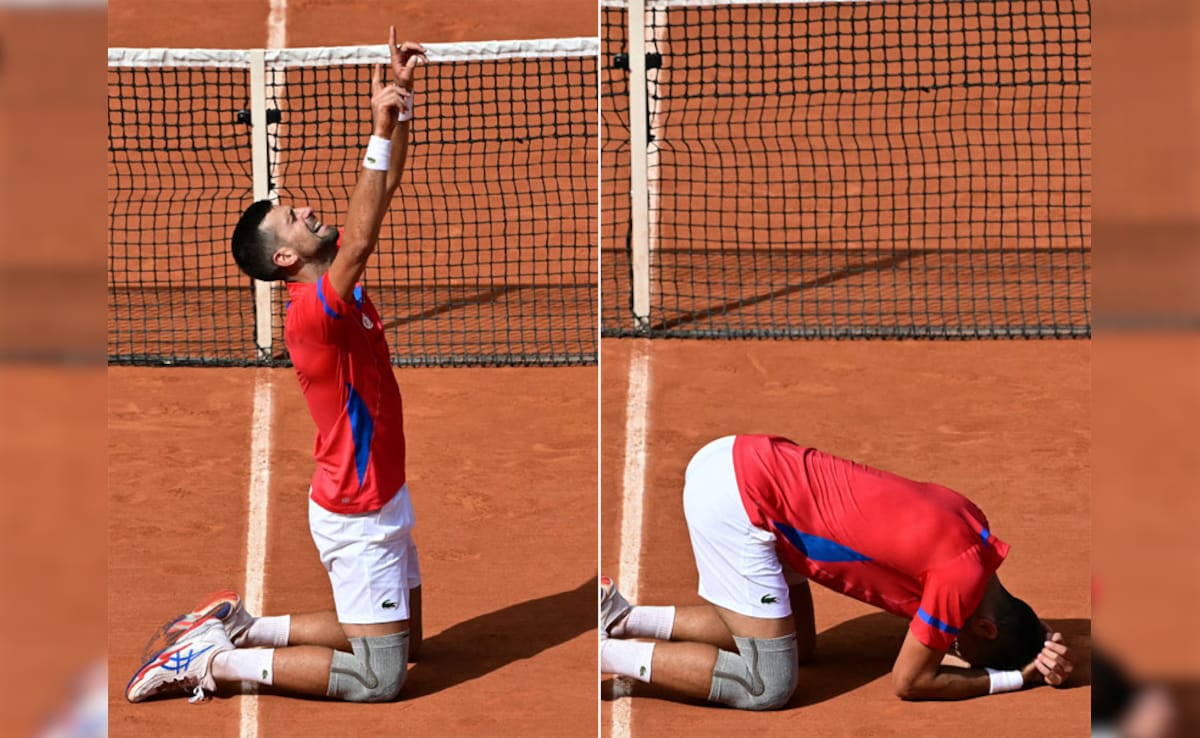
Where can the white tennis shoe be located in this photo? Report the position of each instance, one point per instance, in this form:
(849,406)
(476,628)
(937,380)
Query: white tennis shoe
(614,608)
(224,605)
(185,666)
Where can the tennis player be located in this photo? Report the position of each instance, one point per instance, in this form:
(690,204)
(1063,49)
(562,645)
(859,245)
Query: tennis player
(754,504)
(360,514)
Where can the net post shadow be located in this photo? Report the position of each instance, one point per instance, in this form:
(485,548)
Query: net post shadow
(878,264)
(478,296)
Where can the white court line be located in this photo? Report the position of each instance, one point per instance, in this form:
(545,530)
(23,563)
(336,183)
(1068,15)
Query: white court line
(633,490)
(256,533)
(260,456)
(277,25)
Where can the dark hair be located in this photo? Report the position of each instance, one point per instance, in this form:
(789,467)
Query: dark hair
(253,248)
(1019,635)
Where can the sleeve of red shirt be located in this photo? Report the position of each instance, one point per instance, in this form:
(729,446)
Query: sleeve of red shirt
(320,315)
(951,593)
(331,302)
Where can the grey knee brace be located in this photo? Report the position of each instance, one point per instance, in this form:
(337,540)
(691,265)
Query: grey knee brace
(375,672)
(761,676)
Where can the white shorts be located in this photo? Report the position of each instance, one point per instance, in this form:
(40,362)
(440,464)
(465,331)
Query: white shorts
(738,564)
(371,559)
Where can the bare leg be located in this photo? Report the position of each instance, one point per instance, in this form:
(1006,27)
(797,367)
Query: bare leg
(684,668)
(370,630)
(323,629)
(687,667)
(702,624)
(303,670)
(318,629)
(294,669)
(303,667)
(803,620)
(415,633)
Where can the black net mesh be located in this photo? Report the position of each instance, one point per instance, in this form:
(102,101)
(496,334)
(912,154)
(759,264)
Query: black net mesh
(862,169)
(488,255)
(178,177)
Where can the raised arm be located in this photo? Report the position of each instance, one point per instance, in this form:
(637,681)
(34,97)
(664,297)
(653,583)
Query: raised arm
(404,61)
(370,198)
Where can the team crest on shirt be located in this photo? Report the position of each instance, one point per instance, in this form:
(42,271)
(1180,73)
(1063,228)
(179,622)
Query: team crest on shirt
(367,322)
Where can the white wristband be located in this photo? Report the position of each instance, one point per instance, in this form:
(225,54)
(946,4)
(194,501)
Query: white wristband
(406,108)
(379,154)
(1004,681)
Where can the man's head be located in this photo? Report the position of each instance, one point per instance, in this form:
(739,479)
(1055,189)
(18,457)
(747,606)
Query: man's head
(1003,632)
(273,242)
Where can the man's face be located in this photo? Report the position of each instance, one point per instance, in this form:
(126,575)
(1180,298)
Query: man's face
(300,231)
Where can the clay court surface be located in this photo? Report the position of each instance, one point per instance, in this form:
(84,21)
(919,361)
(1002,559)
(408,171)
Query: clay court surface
(1006,423)
(501,466)
(509,607)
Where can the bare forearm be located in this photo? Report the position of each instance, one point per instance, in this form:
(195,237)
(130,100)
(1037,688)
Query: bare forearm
(399,156)
(367,207)
(948,683)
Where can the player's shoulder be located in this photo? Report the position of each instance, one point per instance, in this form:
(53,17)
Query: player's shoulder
(309,318)
(302,301)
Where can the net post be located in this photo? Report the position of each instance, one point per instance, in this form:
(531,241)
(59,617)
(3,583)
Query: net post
(654,133)
(639,193)
(263,291)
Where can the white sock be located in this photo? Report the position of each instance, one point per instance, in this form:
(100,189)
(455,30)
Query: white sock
(245,665)
(627,658)
(646,621)
(267,631)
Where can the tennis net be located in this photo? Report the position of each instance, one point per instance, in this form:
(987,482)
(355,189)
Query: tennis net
(488,255)
(899,168)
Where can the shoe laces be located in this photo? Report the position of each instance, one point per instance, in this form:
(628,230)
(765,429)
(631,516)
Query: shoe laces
(185,684)
(198,695)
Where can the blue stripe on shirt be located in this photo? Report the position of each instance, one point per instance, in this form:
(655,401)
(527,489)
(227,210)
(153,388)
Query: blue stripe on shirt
(362,428)
(321,294)
(931,620)
(816,548)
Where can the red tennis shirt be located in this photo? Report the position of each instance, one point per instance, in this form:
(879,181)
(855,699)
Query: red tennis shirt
(342,360)
(914,549)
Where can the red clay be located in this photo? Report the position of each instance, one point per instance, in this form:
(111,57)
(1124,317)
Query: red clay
(506,529)
(178,461)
